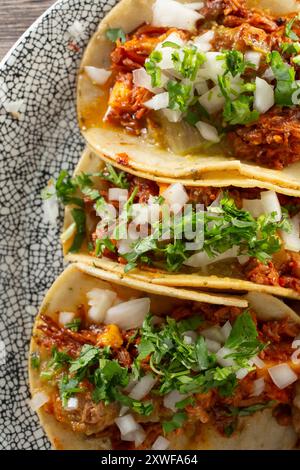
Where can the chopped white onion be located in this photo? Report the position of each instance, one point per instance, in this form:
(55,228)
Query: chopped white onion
(257,361)
(222,359)
(142,79)
(192,335)
(38,400)
(208,131)
(201,87)
(161,443)
(68,233)
(124,246)
(268,307)
(173,115)
(268,74)
(98,76)
(258,387)
(226,330)
(296,344)
(123,410)
(174,14)
(292,239)
(253,57)
(263,95)
(271,204)
(213,333)
(172,398)
(140,213)
(241,373)
(242,259)
(203,42)
(143,387)
(99,300)
(72,404)
(173,37)
(213,66)
(194,5)
(126,424)
(117,194)
(129,314)
(295,357)
(254,206)
(213,100)
(65,317)
(175,196)
(159,101)
(212,346)
(282,375)
(202,259)
(138,436)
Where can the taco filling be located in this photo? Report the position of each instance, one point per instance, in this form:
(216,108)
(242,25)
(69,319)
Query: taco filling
(113,370)
(211,76)
(248,234)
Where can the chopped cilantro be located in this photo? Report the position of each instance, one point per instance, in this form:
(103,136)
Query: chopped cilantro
(288,29)
(189,64)
(235,62)
(152,69)
(79,219)
(74,325)
(117,178)
(113,34)
(35,360)
(103,243)
(285,79)
(67,388)
(179,95)
(175,423)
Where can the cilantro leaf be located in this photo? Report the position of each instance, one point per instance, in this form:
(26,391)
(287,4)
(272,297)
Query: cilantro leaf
(288,30)
(117,178)
(88,356)
(179,95)
(67,388)
(249,410)
(74,325)
(189,64)
(235,62)
(144,408)
(79,219)
(175,423)
(113,34)
(152,69)
(285,78)
(35,360)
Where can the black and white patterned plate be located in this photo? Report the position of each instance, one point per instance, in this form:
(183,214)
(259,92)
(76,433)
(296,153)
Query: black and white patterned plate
(38,137)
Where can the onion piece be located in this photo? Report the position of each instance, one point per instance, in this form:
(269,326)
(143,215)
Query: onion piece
(117,194)
(271,204)
(208,131)
(213,333)
(172,398)
(38,400)
(295,357)
(50,207)
(200,260)
(194,5)
(292,240)
(258,387)
(138,436)
(253,57)
(99,300)
(212,346)
(268,74)
(268,307)
(174,14)
(72,404)
(201,87)
(257,361)
(159,101)
(126,424)
(222,359)
(98,76)
(242,259)
(226,330)
(161,443)
(190,334)
(143,387)
(213,66)
(124,246)
(129,314)
(65,317)
(213,100)
(203,42)
(263,95)
(296,344)
(173,115)
(176,197)
(254,206)
(242,373)
(142,79)
(282,375)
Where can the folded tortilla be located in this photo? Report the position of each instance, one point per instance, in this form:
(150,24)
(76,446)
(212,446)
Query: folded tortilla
(141,156)
(69,294)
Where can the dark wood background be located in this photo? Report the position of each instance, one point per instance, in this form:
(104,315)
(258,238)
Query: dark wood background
(15,17)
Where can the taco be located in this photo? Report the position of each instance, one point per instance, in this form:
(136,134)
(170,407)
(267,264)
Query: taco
(241,238)
(179,89)
(113,367)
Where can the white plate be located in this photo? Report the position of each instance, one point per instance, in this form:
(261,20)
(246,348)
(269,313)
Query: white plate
(40,73)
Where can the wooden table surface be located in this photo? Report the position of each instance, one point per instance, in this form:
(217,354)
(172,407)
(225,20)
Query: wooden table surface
(15,17)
